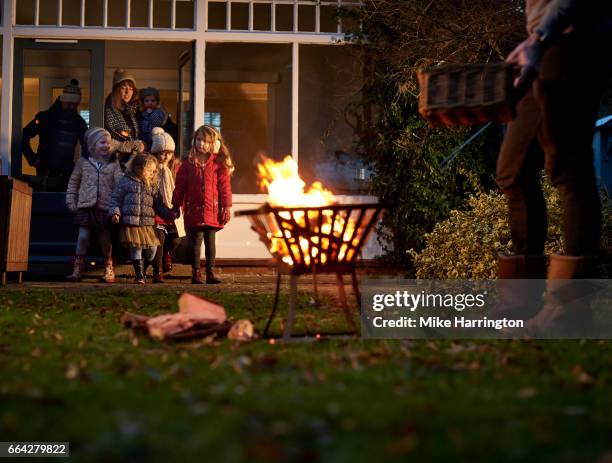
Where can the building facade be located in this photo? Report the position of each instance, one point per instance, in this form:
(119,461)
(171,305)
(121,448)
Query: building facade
(275,76)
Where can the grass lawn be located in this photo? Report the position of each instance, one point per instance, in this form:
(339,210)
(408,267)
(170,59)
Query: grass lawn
(71,372)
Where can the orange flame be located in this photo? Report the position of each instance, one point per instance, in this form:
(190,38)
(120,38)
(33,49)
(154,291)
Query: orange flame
(286,188)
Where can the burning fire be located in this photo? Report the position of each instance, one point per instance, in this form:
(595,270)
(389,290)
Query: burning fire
(286,189)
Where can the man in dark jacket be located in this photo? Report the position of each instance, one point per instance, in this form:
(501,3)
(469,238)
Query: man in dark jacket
(58,130)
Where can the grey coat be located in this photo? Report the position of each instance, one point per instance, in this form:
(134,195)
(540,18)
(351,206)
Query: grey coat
(137,203)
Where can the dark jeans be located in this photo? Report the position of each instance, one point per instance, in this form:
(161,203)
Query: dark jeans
(195,236)
(168,242)
(554,128)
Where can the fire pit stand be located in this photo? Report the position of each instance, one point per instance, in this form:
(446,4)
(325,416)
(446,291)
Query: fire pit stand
(313,240)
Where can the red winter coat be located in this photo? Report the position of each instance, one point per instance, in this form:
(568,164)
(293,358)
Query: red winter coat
(202,190)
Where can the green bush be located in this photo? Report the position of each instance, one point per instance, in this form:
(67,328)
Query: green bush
(467,244)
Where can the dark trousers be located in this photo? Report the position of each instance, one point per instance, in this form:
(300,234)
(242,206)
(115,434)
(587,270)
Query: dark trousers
(168,242)
(554,128)
(195,236)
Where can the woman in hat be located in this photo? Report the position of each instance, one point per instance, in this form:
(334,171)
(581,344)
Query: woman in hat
(120,115)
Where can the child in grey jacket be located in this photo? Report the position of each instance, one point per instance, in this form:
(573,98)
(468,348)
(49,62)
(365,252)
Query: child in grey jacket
(135,202)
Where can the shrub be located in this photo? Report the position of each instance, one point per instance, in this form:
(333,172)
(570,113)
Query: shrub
(467,244)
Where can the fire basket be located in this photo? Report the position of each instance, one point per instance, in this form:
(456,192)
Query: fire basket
(312,240)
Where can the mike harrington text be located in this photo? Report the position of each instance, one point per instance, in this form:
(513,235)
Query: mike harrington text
(437,322)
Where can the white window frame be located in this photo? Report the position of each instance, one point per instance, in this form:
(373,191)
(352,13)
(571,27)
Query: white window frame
(200,35)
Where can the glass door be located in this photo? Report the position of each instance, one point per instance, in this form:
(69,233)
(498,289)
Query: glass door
(185,103)
(42,71)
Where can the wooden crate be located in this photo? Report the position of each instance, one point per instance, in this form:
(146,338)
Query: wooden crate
(467,94)
(15,214)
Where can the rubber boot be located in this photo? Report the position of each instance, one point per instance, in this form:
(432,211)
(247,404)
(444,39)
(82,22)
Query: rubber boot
(146,265)
(139,276)
(196,277)
(158,277)
(210,277)
(77,269)
(109,271)
(518,298)
(566,311)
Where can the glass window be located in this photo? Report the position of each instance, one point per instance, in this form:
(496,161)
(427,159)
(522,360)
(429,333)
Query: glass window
(184,14)
(94,12)
(116,13)
(162,11)
(262,16)
(284,18)
(240,16)
(71,12)
(306,18)
(139,13)
(217,15)
(249,87)
(329,20)
(25,12)
(47,13)
(330,82)
(213,119)
(85,115)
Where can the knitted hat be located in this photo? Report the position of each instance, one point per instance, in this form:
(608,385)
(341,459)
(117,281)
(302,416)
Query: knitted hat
(149,91)
(71,93)
(161,141)
(121,75)
(93,135)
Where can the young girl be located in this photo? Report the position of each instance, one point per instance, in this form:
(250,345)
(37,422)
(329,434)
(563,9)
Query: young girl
(162,147)
(134,202)
(151,116)
(204,191)
(88,196)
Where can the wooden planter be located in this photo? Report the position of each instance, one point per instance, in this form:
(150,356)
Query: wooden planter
(467,94)
(15,213)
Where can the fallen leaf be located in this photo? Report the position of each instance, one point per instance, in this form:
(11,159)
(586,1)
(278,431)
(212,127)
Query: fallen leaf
(72,371)
(36,352)
(432,346)
(583,378)
(527,392)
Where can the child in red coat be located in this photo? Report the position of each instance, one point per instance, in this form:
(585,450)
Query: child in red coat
(203,190)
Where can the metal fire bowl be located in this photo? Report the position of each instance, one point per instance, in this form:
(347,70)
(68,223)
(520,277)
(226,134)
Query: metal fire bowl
(331,237)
